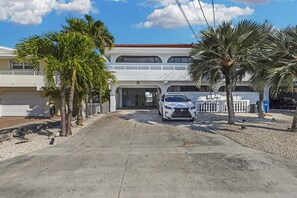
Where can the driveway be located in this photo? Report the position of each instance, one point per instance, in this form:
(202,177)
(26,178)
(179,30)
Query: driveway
(133,154)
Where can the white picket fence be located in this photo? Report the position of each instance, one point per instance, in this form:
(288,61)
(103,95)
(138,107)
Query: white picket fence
(221,106)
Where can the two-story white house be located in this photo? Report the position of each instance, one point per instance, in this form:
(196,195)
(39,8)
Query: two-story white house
(20,88)
(145,71)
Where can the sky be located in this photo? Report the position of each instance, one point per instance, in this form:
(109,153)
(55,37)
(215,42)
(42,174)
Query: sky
(138,21)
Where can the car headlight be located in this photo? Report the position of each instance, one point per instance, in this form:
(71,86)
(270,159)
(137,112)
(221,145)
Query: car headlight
(193,107)
(167,107)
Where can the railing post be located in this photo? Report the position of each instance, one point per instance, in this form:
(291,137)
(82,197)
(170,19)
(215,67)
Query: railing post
(13,80)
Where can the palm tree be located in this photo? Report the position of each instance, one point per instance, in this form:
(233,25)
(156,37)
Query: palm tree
(260,65)
(259,83)
(61,54)
(282,52)
(96,30)
(223,51)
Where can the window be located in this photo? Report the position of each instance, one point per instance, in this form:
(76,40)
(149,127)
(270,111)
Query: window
(23,65)
(188,89)
(238,89)
(139,59)
(176,98)
(180,59)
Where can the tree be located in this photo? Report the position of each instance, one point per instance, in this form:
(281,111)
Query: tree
(282,53)
(259,66)
(61,54)
(96,30)
(223,51)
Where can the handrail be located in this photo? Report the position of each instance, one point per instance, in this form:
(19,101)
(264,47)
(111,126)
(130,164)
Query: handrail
(20,72)
(146,67)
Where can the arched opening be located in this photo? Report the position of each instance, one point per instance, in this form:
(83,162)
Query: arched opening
(138,59)
(189,88)
(180,59)
(137,97)
(240,88)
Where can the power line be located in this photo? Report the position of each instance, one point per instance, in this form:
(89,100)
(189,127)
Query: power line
(203,13)
(213,13)
(186,18)
(196,12)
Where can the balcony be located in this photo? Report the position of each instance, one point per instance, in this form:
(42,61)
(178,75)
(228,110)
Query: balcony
(146,72)
(21,78)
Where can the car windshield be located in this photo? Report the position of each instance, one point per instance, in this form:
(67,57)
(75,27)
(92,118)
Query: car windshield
(176,98)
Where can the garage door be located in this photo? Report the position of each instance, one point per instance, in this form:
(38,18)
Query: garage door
(22,104)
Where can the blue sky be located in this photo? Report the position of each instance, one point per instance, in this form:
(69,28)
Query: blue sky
(137,21)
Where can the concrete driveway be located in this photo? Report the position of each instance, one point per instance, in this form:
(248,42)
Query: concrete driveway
(133,154)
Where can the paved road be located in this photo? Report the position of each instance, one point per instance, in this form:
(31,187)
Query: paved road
(132,154)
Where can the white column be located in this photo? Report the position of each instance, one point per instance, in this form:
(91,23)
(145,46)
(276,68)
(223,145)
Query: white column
(121,97)
(113,104)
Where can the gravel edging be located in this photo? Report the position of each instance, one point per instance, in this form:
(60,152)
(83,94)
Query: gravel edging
(269,135)
(14,147)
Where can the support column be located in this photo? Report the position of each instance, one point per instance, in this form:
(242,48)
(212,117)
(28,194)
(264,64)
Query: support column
(112,99)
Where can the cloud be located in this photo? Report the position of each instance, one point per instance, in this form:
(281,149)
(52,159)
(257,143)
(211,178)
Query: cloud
(32,11)
(159,3)
(252,2)
(169,16)
(123,1)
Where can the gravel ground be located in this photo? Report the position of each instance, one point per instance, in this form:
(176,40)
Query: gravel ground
(269,135)
(10,149)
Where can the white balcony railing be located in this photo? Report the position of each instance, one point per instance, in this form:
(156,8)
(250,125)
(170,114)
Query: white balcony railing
(156,72)
(21,78)
(221,106)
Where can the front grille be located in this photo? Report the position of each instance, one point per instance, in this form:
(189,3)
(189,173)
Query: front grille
(181,113)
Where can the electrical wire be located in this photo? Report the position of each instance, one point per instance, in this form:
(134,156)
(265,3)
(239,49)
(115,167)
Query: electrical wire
(186,18)
(213,13)
(196,12)
(203,13)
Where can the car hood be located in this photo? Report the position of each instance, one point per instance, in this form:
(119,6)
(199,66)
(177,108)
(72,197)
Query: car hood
(179,104)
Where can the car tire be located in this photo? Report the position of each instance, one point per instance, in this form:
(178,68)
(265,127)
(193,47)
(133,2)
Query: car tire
(164,119)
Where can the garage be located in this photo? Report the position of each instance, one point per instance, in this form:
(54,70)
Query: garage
(22,104)
(139,97)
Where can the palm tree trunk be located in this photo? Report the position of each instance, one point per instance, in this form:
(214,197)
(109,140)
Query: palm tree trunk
(63,112)
(294,123)
(261,103)
(87,105)
(100,102)
(70,105)
(230,105)
(79,121)
(91,106)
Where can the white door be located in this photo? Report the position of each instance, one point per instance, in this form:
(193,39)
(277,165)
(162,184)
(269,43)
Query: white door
(22,104)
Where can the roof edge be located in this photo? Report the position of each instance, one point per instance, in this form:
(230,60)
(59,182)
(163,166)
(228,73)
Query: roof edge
(181,45)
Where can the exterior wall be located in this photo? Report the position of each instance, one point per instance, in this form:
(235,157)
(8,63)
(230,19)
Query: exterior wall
(20,80)
(160,75)
(46,101)
(4,64)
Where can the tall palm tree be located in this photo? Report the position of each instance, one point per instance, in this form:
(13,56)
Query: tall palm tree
(224,51)
(282,52)
(96,30)
(259,66)
(82,50)
(62,55)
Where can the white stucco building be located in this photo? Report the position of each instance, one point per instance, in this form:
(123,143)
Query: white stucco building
(20,87)
(145,71)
